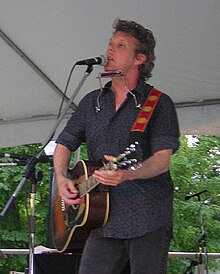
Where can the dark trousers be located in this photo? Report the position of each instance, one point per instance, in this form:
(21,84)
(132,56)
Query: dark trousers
(147,254)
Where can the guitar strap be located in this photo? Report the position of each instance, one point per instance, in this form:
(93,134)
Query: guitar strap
(145,114)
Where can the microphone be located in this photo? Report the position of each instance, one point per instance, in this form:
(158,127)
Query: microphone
(42,158)
(194,195)
(14,156)
(102,61)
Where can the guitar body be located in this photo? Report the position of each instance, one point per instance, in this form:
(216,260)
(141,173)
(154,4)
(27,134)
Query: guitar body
(71,225)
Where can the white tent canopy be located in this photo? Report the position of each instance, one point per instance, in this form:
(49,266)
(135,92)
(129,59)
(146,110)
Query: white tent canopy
(41,40)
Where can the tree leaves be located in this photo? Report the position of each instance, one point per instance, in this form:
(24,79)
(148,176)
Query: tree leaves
(196,168)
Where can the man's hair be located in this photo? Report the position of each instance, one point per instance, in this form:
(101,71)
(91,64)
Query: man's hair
(146,45)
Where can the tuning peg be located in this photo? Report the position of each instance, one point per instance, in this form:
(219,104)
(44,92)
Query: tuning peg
(133,146)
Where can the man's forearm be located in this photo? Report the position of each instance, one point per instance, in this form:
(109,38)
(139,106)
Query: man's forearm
(61,160)
(152,167)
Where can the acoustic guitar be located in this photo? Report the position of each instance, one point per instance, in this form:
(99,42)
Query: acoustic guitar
(71,224)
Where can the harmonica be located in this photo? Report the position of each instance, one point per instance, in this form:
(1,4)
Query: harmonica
(110,74)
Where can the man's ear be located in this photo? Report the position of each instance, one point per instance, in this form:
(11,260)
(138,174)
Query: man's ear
(140,59)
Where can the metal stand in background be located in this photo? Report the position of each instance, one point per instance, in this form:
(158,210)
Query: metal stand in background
(33,176)
(202,262)
(36,176)
(189,269)
(202,267)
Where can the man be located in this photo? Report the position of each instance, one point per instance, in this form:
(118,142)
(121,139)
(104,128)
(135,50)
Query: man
(139,227)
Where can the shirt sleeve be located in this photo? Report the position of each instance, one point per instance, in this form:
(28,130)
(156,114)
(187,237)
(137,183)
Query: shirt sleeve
(164,126)
(74,132)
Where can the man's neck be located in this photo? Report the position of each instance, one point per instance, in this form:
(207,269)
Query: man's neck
(124,83)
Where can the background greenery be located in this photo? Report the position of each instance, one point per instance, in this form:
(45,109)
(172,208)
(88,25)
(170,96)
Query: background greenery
(194,168)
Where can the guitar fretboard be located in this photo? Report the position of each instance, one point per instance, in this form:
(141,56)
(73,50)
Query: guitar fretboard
(87,186)
(91,183)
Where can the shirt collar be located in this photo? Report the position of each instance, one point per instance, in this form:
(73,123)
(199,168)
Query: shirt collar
(141,85)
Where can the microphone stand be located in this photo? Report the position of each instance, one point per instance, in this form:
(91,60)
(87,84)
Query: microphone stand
(189,269)
(34,176)
(202,246)
(202,243)
(20,163)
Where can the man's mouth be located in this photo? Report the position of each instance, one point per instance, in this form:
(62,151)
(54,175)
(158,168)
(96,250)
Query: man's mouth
(110,59)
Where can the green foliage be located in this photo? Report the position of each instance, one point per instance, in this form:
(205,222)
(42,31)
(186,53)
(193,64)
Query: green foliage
(14,228)
(194,168)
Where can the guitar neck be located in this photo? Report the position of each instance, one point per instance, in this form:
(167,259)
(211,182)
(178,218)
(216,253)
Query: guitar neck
(91,183)
(87,186)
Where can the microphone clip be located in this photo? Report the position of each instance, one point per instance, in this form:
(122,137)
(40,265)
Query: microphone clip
(196,195)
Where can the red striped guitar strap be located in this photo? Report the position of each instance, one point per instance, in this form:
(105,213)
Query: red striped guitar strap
(146,111)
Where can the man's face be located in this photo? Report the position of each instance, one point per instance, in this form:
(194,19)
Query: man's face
(121,52)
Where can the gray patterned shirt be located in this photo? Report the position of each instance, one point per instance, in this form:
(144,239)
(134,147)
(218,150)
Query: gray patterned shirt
(137,206)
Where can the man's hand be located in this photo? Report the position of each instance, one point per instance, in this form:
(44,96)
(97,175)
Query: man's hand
(110,177)
(65,186)
(157,164)
(67,191)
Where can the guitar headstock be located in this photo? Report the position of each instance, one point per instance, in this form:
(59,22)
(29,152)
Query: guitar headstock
(130,158)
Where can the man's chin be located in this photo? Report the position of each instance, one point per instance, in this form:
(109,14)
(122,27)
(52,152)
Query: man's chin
(109,68)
